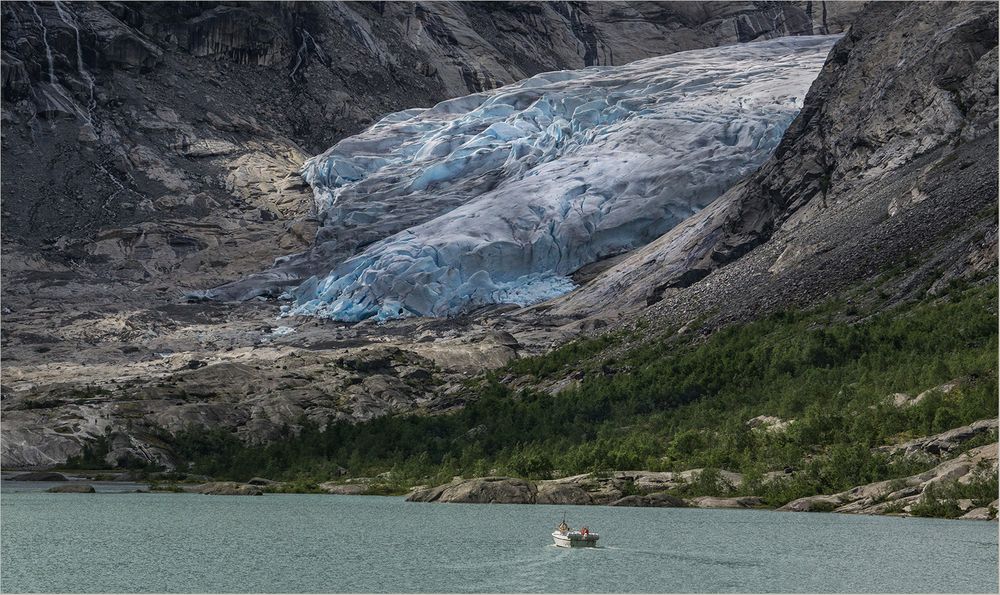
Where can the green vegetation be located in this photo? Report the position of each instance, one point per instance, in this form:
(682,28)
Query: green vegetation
(942,499)
(679,403)
(92,456)
(165,487)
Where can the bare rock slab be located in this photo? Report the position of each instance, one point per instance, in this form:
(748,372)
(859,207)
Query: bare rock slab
(72,488)
(228,488)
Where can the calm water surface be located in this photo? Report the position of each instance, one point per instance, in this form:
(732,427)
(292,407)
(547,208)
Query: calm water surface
(114,542)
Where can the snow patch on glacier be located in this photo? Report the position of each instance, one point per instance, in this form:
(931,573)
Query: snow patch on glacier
(498,197)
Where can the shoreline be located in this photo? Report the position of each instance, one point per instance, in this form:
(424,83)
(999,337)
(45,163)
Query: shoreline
(643,489)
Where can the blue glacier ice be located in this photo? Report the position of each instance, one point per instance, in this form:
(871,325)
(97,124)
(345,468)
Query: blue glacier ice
(499,196)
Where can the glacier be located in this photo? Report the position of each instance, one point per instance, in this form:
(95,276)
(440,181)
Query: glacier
(498,197)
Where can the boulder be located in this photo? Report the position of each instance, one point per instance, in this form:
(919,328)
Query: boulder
(40,476)
(227,488)
(976,514)
(344,489)
(813,504)
(738,502)
(72,488)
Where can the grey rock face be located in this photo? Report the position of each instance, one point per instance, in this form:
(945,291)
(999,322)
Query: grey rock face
(943,443)
(904,107)
(84,361)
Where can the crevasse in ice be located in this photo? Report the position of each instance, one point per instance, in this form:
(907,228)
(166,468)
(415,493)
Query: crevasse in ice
(498,197)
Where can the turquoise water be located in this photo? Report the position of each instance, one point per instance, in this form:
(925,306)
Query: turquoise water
(110,542)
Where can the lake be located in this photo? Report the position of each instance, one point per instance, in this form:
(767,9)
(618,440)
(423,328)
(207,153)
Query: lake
(119,542)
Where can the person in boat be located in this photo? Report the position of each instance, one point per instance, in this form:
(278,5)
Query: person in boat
(563,527)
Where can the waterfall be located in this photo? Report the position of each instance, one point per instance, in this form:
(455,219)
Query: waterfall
(45,40)
(79,54)
(303,50)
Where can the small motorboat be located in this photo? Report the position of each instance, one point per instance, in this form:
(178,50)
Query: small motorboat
(563,536)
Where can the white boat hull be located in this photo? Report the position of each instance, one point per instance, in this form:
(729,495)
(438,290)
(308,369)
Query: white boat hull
(575,539)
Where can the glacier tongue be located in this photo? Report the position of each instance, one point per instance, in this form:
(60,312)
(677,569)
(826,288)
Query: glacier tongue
(497,197)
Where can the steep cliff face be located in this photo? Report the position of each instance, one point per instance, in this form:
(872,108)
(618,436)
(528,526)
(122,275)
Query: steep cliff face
(892,161)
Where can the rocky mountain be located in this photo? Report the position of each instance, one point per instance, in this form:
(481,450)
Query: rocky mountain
(157,148)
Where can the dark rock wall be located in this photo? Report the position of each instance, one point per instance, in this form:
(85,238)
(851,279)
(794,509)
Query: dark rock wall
(102,102)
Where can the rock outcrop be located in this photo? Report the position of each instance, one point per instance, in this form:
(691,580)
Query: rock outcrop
(904,400)
(39,476)
(249,377)
(227,488)
(344,489)
(898,496)
(481,490)
(943,443)
(984,513)
(621,488)
(716,502)
(72,488)
(769,424)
